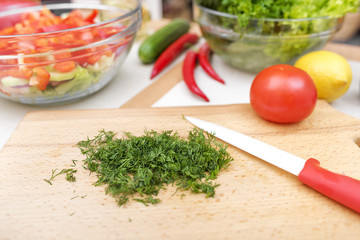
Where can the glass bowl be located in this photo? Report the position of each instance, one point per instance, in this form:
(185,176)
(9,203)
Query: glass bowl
(262,42)
(60,64)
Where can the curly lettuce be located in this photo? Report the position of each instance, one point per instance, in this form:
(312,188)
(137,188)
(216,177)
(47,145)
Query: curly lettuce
(254,40)
(284,9)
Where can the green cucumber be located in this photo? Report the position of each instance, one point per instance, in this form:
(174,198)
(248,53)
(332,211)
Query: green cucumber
(10,81)
(156,43)
(56,76)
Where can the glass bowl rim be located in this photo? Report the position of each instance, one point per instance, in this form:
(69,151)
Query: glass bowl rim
(228,15)
(130,30)
(58,6)
(124,32)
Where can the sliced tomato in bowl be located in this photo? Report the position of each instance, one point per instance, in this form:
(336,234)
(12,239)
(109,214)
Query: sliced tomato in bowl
(40,78)
(14,4)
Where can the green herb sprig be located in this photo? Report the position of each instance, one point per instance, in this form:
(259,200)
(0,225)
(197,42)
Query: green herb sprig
(69,175)
(139,167)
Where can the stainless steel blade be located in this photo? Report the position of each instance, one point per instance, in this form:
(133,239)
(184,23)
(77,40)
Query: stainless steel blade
(268,153)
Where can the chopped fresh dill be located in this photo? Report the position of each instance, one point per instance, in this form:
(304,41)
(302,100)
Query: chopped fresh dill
(69,175)
(74,163)
(144,165)
(48,181)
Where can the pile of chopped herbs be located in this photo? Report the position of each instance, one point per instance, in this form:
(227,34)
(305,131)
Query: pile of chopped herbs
(139,167)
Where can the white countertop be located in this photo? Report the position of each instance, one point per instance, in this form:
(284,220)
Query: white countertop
(133,77)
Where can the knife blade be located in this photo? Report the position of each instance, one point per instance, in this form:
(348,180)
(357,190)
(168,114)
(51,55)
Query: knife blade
(341,188)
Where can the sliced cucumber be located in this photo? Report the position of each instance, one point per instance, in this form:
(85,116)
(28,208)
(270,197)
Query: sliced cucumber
(10,81)
(56,76)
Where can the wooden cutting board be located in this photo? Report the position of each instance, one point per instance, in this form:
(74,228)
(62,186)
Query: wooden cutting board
(254,200)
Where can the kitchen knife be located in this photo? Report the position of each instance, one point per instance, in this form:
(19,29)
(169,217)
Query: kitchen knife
(340,188)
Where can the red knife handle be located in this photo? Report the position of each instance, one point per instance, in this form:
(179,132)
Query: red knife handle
(343,189)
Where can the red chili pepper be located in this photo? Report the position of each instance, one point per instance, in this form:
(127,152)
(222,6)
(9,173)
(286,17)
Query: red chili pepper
(173,51)
(188,74)
(204,53)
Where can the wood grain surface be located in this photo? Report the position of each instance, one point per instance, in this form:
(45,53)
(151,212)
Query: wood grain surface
(349,52)
(254,200)
(151,94)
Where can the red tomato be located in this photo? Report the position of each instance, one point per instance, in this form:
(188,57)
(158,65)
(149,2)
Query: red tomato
(55,27)
(41,78)
(20,73)
(283,94)
(90,18)
(65,66)
(14,4)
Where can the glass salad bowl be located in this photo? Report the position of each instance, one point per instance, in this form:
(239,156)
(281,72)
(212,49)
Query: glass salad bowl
(61,52)
(262,42)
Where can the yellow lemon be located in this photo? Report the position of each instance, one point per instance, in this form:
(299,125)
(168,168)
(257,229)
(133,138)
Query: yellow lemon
(331,73)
